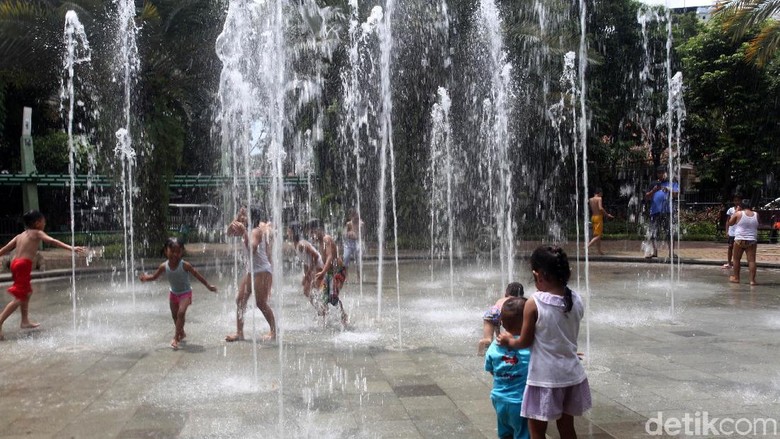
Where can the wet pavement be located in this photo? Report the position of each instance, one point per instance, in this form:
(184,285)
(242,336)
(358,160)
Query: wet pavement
(661,346)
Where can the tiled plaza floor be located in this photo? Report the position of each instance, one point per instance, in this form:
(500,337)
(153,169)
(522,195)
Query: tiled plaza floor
(655,348)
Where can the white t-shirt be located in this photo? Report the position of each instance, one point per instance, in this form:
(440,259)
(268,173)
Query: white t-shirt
(730,212)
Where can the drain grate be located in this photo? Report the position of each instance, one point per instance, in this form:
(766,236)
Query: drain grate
(693,333)
(418,390)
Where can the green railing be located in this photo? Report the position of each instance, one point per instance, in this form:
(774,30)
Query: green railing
(179,181)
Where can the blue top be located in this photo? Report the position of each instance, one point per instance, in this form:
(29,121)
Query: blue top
(510,371)
(660,202)
(178,278)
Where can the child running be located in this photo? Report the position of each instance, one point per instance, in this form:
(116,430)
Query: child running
(491,320)
(309,257)
(178,271)
(26,245)
(509,368)
(557,385)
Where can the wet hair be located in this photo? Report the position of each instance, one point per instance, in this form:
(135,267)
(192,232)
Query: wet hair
(746,204)
(514,289)
(295,228)
(173,242)
(552,262)
(512,311)
(314,225)
(32,217)
(597,191)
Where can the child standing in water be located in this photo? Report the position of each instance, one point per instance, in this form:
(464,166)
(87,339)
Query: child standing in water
(333,273)
(309,257)
(26,245)
(491,320)
(178,273)
(509,368)
(557,386)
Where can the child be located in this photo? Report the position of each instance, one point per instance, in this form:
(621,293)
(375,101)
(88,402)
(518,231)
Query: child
(333,273)
(26,245)
(557,386)
(177,271)
(491,322)
(258,243)
(353,230)
(509,368)
(308,255)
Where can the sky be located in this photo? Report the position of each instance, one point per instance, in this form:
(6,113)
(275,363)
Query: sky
(680,3)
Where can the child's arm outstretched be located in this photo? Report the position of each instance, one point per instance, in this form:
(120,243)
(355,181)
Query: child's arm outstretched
(57,243)
(8,247)
(526,339)
(147,277)
(190,269)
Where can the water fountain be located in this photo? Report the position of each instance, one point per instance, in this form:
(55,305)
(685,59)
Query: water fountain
(126,69)
(331,383)
(77,52)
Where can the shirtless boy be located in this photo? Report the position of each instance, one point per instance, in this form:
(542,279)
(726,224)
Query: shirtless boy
(333,274)
(597,213)
(26,245)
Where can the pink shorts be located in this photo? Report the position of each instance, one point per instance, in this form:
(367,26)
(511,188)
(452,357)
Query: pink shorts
(177,298)
(549,404)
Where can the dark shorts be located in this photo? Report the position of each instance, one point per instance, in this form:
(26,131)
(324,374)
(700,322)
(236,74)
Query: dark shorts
(659,226)
(731,240)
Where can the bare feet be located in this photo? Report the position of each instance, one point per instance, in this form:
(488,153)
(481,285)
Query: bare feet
(733,279)
(29,325)
(753,283)
(271,336)
(175,344)
(234,337)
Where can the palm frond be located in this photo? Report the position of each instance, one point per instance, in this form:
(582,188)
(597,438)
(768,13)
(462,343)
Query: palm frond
(149,12)
(765,45)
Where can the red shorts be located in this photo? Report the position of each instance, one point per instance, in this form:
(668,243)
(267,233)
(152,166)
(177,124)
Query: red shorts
(21,270)
(177,298)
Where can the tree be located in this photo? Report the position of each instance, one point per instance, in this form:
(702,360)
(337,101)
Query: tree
(732,106)
(742,16)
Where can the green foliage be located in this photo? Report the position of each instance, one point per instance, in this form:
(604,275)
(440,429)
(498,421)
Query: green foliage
(51,153)
(731,104)
(742,17)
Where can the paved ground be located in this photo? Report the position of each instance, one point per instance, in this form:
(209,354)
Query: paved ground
(692,348)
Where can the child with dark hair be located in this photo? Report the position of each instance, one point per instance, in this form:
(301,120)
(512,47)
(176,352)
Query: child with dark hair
(177,270)
(308,255)
(332,275)
(26,245)
(557,386)
(509,368)
(491,322)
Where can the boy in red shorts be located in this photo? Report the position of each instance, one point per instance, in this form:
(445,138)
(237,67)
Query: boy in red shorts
(26,245)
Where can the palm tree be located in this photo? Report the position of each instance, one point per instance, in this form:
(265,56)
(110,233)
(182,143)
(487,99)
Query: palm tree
(740,16)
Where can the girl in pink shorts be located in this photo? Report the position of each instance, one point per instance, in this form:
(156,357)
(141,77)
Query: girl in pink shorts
(557,387)
(178,273)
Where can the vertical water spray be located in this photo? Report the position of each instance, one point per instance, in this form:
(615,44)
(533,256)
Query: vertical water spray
(126,71)
(675,117)
(496,110)
(440,181)
(387,153)
(355,115)
(583,138)
(77,52)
